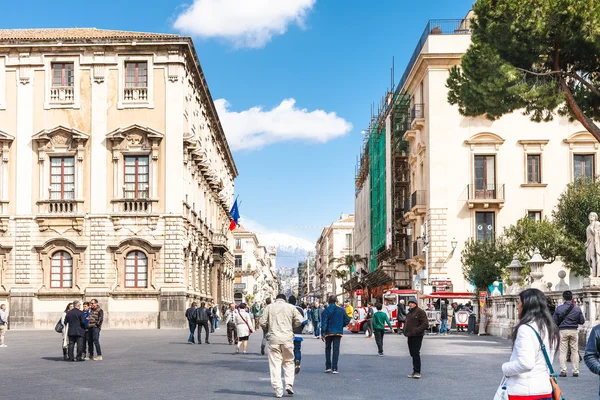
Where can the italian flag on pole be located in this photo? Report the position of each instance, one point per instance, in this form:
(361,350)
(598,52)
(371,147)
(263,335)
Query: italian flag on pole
(235,214)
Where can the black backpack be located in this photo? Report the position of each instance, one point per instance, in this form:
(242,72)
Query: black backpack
(370,313)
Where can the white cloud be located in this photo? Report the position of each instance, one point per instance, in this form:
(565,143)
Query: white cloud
(255,128)
(245,23)
(269,237)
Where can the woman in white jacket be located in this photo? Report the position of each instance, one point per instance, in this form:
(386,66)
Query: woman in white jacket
(242,325)
(65,337)
(527,373)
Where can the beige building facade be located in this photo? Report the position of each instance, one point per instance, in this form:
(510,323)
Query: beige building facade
(335,243)
(472,177)
(116,179)
(255,268)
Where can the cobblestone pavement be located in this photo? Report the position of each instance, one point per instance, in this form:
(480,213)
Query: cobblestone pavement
(158,364)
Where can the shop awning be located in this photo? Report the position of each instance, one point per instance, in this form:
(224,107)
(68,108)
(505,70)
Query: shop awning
(449,295)
(352,284)
(378,278)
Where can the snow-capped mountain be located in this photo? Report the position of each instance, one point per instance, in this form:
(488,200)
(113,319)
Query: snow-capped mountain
(290,249)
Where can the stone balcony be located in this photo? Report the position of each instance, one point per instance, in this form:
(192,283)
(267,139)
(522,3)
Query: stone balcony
(62,94)
(135,94)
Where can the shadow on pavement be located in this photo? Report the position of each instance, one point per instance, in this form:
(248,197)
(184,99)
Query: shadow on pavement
(244,393)
(53,359)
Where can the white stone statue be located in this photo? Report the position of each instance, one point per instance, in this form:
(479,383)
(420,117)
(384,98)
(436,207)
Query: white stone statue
(592,244)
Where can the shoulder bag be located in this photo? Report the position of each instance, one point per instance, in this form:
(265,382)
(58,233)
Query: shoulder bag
(562,318)
(556,392)
(59,326)
(246,322)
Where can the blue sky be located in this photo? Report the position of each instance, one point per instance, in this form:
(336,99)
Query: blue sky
(328,55)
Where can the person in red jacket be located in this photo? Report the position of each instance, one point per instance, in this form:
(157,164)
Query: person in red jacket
(414,329)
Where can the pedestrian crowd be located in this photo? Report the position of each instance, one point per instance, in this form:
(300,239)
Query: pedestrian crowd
(81,328)
(542,331)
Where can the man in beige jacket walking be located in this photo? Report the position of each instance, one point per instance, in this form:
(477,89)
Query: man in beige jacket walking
(279,321)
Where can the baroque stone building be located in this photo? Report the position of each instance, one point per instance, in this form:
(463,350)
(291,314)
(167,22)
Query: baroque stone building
(255,268)
(116,179)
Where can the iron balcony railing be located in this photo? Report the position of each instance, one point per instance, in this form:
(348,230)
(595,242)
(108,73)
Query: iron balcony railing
(418,111)
(406,206)
(491,191)
(435,27)
(417,248)
(418,198)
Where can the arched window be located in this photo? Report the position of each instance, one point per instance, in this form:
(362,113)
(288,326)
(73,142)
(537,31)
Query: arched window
(61,273)
(136,270)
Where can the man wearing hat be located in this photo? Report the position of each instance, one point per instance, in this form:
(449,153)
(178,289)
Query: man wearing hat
(414,328)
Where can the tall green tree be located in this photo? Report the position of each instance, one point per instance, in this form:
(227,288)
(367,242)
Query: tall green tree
(528,234)
(540,56)
(484,261)
(571,214)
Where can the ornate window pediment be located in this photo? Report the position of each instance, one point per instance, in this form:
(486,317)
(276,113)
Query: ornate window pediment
(61,139)
(485,139)
(5,141)
(128,143)
(135,138)
(139,248)
(582,139)
(50,248)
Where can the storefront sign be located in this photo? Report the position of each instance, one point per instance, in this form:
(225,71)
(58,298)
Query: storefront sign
(239,286)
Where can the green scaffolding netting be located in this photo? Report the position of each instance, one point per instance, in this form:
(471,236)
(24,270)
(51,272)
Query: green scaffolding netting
(377,176)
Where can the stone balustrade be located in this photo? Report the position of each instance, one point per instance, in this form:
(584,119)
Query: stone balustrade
(502,314)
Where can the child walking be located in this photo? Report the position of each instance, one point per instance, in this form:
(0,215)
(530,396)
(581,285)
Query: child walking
(380,318)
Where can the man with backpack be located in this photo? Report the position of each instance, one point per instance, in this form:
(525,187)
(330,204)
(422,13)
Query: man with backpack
(298,335)
(369,323)
(568,317)
(202,317)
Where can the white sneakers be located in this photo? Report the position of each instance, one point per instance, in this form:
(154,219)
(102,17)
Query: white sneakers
(3,345)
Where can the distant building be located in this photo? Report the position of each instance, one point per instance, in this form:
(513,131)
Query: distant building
(255,268)
(334,244)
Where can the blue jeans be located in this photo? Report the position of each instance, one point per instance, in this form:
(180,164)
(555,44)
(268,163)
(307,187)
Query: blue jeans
(444,326)
(192,325)
(95,335)
(216,322)
(329,341)
(317,328)
(297,350)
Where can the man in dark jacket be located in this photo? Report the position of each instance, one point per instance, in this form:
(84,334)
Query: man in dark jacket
(568,317)
(95,321)
(414,329)
(369,318)
(202,317)
(444,318)
(76,321)
(189,315)
(592,351)
(333,321)
(316,320)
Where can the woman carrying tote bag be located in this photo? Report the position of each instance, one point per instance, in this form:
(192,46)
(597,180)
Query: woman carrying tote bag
(242,325)
(527,374)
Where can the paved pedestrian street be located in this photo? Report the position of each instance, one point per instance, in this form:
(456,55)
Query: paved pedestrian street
(159,364)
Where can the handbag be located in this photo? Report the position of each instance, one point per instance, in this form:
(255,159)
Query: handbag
(556,392)
(246,322)
(502,393)
(59,326)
